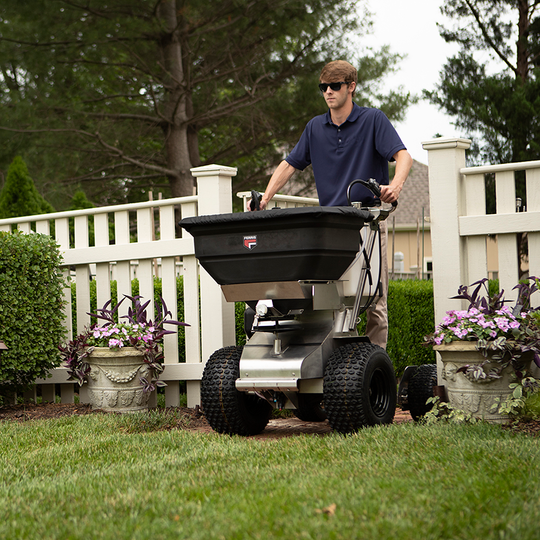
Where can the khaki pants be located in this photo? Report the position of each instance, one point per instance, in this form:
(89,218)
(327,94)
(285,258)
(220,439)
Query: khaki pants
(377,314)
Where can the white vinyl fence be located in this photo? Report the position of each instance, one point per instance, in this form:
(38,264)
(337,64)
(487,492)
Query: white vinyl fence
(147,236)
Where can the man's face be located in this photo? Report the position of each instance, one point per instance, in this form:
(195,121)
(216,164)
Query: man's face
(335,99)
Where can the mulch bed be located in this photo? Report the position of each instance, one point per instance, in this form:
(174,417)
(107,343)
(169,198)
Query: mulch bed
(190,418)
(193,420)
(529,428)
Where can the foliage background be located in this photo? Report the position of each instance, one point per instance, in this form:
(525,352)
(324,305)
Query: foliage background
(492,86)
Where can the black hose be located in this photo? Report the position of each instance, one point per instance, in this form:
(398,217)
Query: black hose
(372,185)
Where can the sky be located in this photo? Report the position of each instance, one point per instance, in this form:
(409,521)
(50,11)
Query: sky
(409,27)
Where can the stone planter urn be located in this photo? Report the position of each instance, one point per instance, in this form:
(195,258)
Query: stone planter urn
(467,393)
(113,383)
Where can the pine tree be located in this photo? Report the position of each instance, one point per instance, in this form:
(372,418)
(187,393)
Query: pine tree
(19,196)
(80,201)
(500,110)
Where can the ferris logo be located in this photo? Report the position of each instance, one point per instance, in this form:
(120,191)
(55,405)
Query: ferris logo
(250,242)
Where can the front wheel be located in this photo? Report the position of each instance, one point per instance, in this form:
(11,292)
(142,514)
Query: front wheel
(226,409)
(359,387)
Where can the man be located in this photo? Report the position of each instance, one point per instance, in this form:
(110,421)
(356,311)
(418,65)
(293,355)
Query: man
(348,143)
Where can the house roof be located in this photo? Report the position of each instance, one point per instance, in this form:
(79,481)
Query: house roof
(414,198)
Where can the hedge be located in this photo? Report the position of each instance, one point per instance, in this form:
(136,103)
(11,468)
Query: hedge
(410,317)
(31,308)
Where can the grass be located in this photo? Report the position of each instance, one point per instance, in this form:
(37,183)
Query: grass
(116,477)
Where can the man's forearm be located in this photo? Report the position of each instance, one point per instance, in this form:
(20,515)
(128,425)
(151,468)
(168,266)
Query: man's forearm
(404,161)
(280,177)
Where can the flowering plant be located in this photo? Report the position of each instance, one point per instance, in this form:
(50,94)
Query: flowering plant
(476,325)
(137,332)
(503,335)
(120,335)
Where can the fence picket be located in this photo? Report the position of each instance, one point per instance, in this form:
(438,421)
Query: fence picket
(475,197)
(506,243)
(533,205)
(122,269)
(103,270)
(145,268)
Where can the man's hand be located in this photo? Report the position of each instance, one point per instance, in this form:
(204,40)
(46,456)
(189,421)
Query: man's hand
(255,201)
(390,194)
(255,208)
(280,177)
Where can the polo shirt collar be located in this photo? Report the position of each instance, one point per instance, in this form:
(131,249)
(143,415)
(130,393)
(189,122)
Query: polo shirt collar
(355,113)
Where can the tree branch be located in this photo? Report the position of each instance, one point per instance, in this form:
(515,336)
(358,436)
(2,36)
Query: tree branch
(119,153)
(488,39)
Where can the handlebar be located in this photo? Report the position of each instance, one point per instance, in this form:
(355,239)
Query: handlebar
(370,184)
(255,203)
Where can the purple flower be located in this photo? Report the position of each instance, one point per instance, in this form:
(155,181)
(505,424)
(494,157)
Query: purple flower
(502,323)
(439,339)
(462,332)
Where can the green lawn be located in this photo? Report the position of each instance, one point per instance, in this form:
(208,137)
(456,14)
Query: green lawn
(96,476)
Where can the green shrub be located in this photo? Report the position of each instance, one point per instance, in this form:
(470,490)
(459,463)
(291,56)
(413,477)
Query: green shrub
(31,314)
(410,318)
(239,309)
(531,407)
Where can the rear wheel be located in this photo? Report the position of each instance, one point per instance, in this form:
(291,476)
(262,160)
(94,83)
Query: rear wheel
(310,408)
(420,389)
(359,387)
(226,409)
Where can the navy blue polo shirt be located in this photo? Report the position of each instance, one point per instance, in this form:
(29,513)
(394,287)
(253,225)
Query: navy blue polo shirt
(358,149)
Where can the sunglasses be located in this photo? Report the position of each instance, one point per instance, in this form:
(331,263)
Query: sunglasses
(335,86)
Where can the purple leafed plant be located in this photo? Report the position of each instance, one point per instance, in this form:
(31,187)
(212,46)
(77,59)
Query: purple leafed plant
(138,331)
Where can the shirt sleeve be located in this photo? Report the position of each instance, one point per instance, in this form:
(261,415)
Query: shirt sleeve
(300,156)
(387,140)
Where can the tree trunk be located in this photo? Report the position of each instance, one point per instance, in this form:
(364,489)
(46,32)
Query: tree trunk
(522,63)
(175,103)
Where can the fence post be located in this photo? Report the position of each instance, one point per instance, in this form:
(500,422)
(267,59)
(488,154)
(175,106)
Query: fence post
(446,194)
(214,191)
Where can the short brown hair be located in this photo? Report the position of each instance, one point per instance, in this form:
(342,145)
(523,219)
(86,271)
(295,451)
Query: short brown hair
(338,71)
